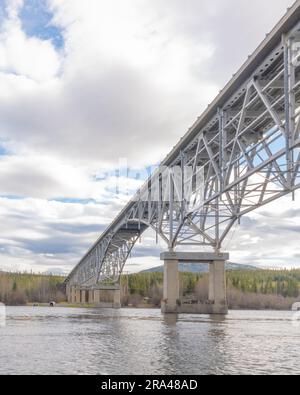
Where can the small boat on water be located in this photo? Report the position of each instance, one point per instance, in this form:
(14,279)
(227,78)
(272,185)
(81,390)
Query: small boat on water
(296,307)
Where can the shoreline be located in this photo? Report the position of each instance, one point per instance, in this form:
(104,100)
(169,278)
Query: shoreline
(142,307)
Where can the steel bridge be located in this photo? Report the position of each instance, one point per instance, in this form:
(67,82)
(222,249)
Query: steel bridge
(244,149)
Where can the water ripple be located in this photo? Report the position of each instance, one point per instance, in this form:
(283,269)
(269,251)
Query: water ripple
(91,341)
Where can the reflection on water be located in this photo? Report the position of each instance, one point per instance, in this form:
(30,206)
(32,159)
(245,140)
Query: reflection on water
(170,319)
(91,341)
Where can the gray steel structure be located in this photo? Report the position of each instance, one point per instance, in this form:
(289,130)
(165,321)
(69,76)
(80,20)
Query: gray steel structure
(246,146)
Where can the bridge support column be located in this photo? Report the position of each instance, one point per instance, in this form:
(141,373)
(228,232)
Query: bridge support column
(217,287)
(71,294)
(77,296)
(83,296)
(117,299)
(171,287)
(97,298)
(107,297)
(217,300)
(91,296)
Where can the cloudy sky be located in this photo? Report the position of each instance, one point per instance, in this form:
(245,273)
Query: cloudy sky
(85,84)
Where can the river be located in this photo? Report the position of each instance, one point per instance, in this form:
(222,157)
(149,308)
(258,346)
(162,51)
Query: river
(89,341)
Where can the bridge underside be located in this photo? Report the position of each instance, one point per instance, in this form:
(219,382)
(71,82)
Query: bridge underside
(241,154)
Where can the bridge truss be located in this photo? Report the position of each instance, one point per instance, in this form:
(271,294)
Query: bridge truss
(244,150)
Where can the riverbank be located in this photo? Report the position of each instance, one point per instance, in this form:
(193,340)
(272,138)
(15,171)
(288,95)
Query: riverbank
(247,289)
(288,307)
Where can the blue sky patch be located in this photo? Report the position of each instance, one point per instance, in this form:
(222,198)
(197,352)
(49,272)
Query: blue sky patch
(73,201)
(2,10)
(12,197)
(37,22)
(3,151)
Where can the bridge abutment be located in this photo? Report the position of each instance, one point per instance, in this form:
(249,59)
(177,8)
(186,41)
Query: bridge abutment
(102,297)
(217,300)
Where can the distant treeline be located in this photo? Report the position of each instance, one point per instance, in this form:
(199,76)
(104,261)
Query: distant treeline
(21,288)
(247,289)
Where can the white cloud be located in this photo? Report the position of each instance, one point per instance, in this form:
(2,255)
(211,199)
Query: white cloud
(43,234)
(269,236)
(13,7)
(25,56)
(134,74)
(132,77)
(48,178)
(44,177)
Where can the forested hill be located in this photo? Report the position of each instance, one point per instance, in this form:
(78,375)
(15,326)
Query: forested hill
(22,288)
(201,268)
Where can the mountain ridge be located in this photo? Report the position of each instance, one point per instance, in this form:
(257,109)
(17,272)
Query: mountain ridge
(201,268)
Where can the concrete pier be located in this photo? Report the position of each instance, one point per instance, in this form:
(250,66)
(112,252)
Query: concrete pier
(117,298)
(107,296)
(83,296)
(217,287)
(96,296)
(91,296)
(77,296)
(102,296)
(68,293)
(171,286)
(217,301)
(72,295)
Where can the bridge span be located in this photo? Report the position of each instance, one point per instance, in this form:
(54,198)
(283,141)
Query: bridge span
(242,153)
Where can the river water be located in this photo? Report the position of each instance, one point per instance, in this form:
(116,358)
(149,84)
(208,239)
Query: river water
(89,341)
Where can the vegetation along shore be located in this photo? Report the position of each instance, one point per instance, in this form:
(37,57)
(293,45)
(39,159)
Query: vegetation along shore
(247,289)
